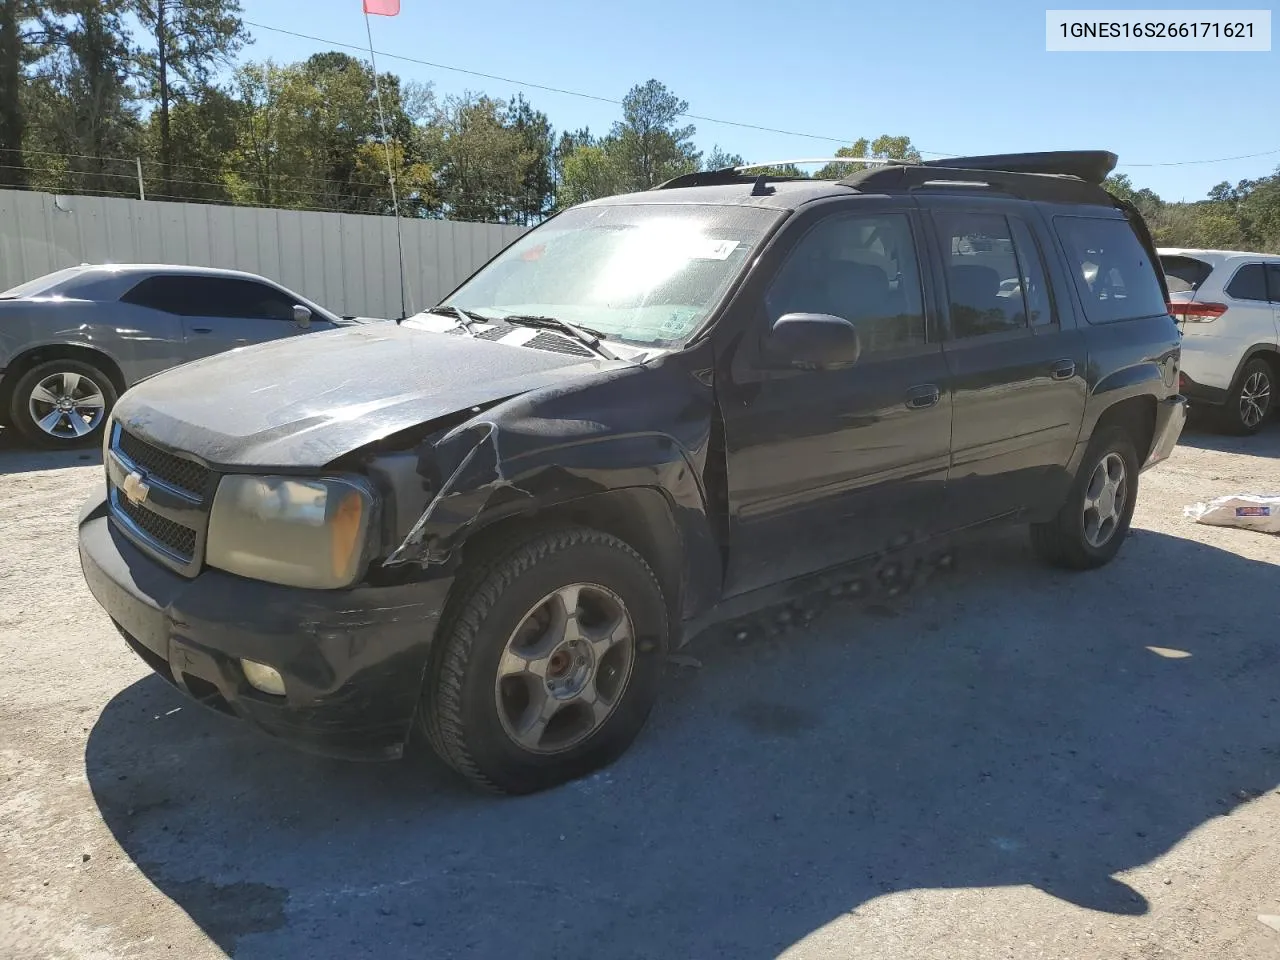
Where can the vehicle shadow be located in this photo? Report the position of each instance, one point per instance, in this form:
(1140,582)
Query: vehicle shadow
(1199,433)
(17,456)
(1004,725)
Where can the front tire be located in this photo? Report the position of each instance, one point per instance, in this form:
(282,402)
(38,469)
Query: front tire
(1251,400)
(62,404)
(1093,523)
(549,662)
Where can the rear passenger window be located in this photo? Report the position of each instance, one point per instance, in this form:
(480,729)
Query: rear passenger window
(984,280)
(1273,281)
(860,268)
(1249,283)
(1113,274)
(170,293)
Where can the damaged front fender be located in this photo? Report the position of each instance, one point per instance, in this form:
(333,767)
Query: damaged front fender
(642,427)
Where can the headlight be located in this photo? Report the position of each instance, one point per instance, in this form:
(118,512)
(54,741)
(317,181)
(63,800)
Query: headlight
(300,533)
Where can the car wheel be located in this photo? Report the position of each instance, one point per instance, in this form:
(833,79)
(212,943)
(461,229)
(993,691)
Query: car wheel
(549,662)
(62,403)
(1250,401)
(1093,523)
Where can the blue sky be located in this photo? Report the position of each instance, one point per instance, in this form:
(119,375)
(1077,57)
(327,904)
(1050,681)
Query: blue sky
(957,78)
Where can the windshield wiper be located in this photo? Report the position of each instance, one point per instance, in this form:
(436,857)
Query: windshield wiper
(584,335)
(465,318)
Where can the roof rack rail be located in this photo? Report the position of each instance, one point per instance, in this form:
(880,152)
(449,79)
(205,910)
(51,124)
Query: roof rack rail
(743,174)
(878,161)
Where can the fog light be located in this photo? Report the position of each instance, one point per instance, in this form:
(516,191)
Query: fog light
(264,678)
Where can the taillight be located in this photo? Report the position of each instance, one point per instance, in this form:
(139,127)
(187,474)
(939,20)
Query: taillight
(1197,312)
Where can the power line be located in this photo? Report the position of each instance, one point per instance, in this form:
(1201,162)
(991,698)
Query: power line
(560,90)
(1184,163)
(692,116)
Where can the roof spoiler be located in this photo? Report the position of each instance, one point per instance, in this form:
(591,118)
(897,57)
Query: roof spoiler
(1091,166)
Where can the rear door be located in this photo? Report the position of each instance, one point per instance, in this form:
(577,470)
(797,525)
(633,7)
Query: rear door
(1016,359)
(827,466)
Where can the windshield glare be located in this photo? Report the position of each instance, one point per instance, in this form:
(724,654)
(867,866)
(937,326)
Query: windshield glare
(644,273)
(33,288)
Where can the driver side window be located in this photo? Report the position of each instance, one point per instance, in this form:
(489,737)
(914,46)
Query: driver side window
(862,269)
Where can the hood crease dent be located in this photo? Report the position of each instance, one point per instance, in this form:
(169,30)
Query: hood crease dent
(304,402)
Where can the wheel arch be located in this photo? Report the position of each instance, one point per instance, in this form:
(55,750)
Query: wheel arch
(643,488)
(32,357)
(1137,417)
(642,517)
(1129,397)
(1269,352)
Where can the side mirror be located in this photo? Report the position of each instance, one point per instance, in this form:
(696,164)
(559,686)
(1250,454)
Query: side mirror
(815,341)
(301,316)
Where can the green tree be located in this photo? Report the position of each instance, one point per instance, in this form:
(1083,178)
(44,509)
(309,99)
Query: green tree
(721,160)
(79,103)
(537,185)
(187,40)
(203,137)
(591,171)
(481,161)
(647,145)
(304,132)
(884,147)
(13,122)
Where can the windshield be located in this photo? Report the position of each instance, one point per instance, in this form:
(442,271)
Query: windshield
(33,288)
(644,273)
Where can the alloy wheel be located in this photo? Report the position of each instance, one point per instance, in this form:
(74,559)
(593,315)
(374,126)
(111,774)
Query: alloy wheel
(67,405)
(1104,500)
(1255,399)
(565,668)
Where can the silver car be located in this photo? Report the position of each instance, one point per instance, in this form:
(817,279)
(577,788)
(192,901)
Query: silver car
(72,341)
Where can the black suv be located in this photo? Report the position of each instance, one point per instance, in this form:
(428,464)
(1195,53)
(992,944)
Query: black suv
(491,522)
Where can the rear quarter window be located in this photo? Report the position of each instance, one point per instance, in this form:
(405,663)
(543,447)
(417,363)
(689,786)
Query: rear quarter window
(1184,274)
(1113,274)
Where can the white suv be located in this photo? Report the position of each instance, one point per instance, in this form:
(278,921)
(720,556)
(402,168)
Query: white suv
(1228,306)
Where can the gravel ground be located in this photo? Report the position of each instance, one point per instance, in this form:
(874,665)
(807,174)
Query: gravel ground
(1014,762)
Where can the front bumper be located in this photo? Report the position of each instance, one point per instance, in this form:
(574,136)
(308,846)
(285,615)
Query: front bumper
(1171,417)
(352,660)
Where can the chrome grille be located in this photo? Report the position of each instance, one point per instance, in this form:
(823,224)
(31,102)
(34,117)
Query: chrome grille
(160,500)
(178,539)
(178,472)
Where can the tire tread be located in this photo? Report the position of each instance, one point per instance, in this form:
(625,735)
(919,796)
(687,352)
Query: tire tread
(479,589)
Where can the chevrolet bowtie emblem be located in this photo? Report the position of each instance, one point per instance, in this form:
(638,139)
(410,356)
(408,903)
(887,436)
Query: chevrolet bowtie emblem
(135,488)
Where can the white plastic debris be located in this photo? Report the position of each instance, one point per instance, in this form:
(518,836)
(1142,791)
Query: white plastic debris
(1249,511)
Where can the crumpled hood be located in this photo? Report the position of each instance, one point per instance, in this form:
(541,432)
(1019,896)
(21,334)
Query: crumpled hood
(305,401)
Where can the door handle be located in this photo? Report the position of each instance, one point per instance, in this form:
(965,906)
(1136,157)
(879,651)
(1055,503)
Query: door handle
(202,329)
(923,397)
(1063,370)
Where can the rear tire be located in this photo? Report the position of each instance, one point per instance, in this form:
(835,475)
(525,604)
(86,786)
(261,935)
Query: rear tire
(62,404)
(520,696)
(1251,400)
(1094,521)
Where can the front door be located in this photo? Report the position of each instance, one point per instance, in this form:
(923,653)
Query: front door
(1017,362)
(827,466)
(226,313)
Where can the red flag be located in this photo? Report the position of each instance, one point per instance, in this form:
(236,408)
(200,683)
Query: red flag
(382,8)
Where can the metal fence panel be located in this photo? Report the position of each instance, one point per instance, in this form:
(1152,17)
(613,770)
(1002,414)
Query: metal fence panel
(346,262)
